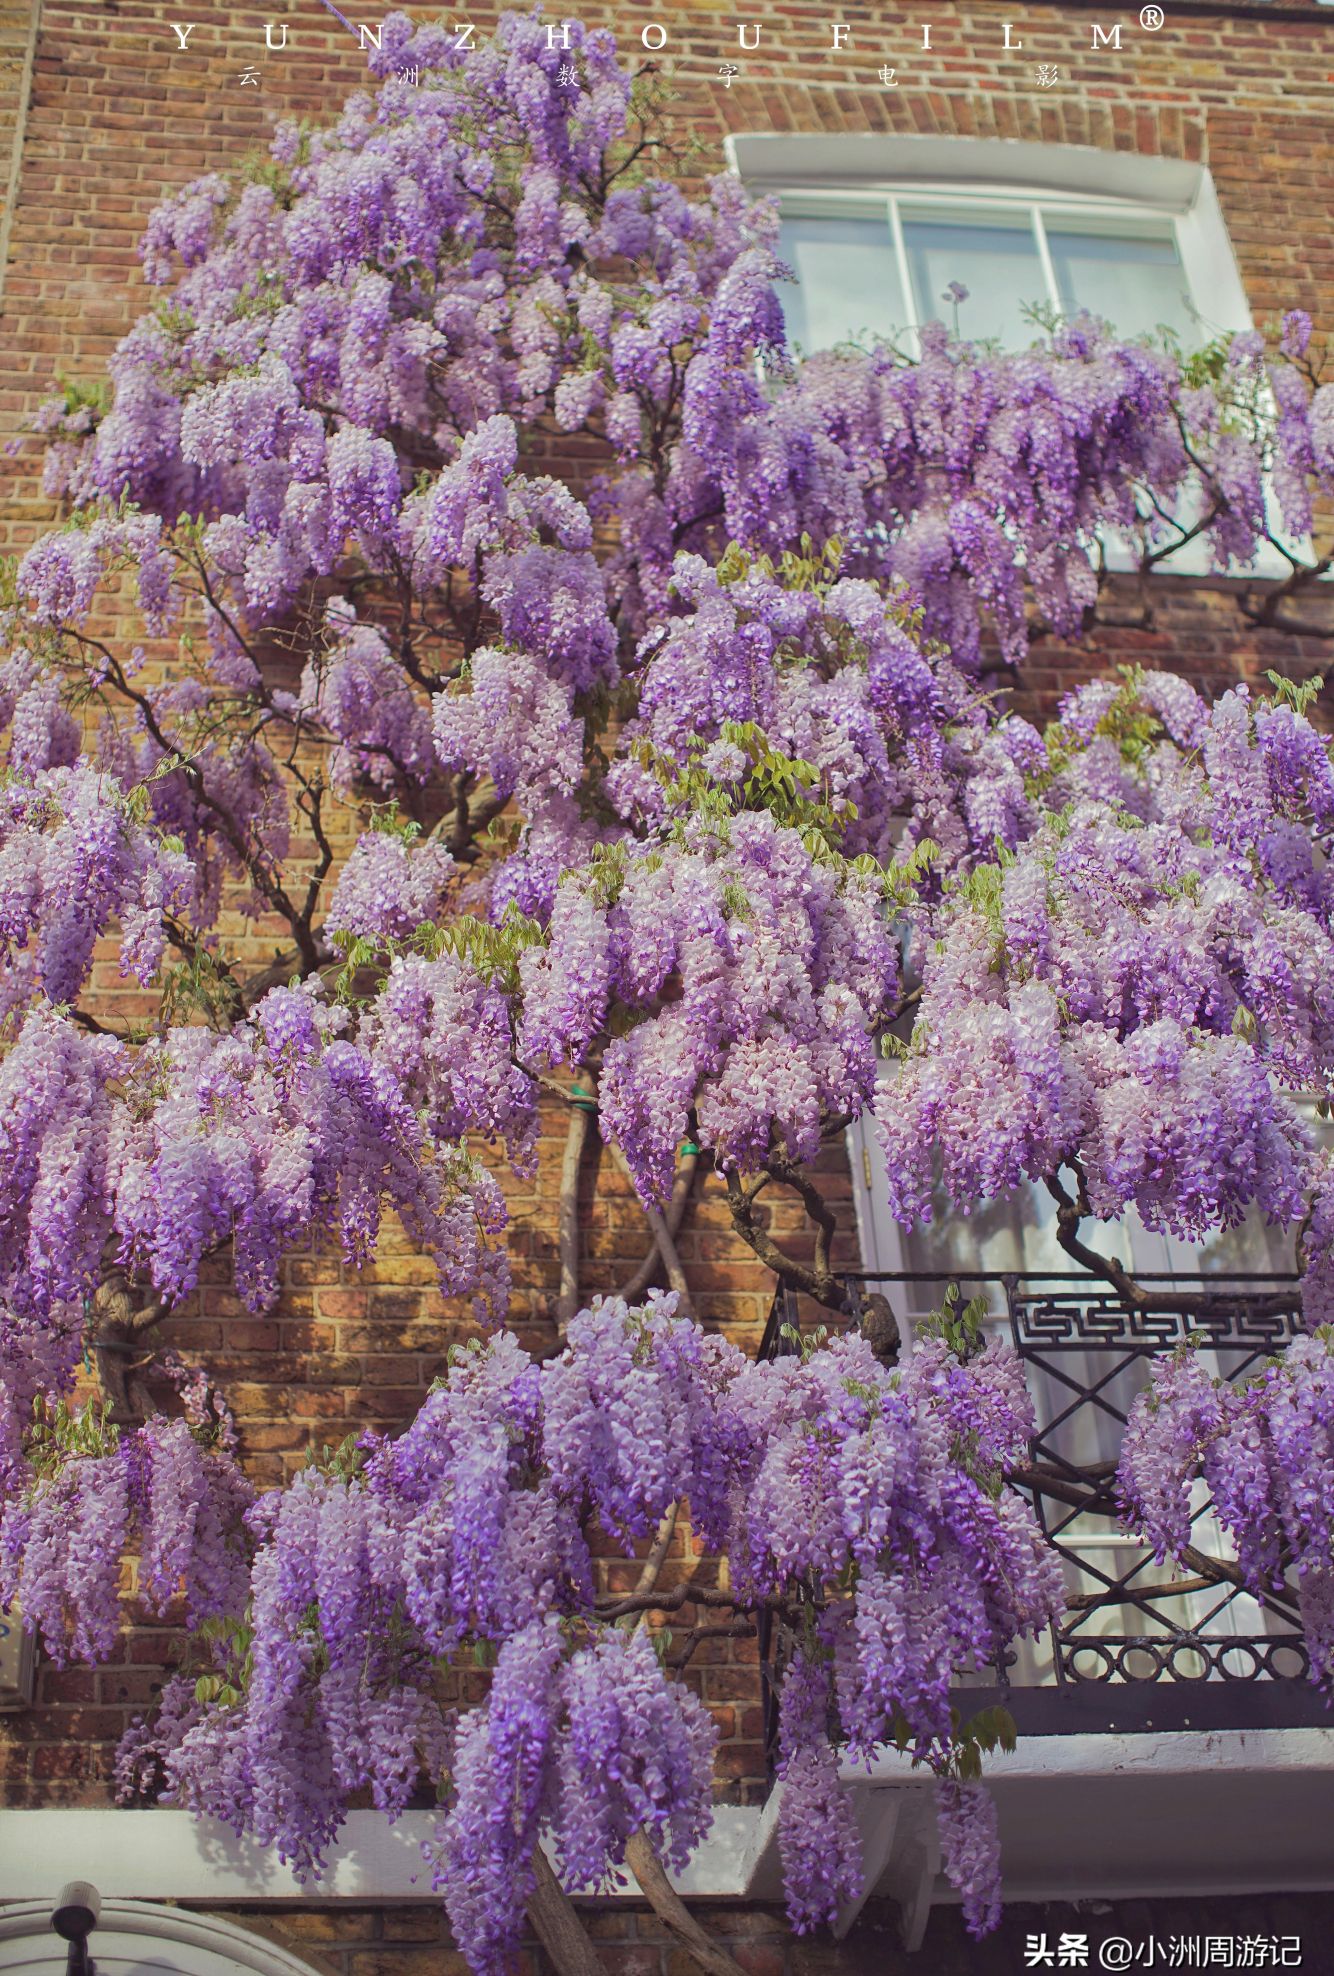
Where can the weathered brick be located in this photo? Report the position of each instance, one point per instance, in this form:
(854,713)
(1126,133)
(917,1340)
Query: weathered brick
(414,1924)
(407,1961)
(332,1924)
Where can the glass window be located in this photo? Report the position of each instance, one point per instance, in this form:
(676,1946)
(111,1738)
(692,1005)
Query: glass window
(1137,284)
(997,262)
(847,285)
(880,264)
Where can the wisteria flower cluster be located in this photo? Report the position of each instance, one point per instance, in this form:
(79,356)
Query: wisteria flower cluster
(178,1503)
(1139,989)
(1264,1447)
(249,1138)
(832,1481)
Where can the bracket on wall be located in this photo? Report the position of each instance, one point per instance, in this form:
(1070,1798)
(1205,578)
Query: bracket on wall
(18,1663)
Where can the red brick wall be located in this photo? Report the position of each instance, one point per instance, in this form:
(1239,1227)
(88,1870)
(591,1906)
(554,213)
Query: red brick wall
(118,115)
(630,1941)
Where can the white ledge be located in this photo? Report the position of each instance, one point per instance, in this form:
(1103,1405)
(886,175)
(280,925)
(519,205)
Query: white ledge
(170,1855)
(1081,1817)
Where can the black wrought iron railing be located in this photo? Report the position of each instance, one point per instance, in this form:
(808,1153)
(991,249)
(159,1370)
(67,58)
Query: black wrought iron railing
(1141,1645)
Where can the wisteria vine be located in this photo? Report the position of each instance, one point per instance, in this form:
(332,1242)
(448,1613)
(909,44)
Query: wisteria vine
(682,787)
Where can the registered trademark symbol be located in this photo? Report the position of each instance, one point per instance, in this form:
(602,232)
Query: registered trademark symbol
(1151,18)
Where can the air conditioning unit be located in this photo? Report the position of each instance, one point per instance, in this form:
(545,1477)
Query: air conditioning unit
(18,1662)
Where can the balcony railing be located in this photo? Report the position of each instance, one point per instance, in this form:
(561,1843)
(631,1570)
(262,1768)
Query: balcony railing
(1141,1646)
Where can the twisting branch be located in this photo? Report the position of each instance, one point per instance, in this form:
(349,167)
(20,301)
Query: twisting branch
(557,1925)
(1099,1502)
(1069,1213)
(663,1243)
(121,1323)
(672,1911)
(576,1137)
(818,1282)
(789,1174)
(620,1606)
(1072,1209)
(91,1023)
(651,1570)
(1270,615)
(634,1286)
(310,802)
(723,1629)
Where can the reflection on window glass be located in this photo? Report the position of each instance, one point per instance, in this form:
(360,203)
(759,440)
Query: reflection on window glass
(1136,284)
(847,282)
(999,266)
(852,284)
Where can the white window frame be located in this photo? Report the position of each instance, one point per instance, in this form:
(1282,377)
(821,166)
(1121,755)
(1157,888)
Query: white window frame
(899,203)
(995,174)
(995,171)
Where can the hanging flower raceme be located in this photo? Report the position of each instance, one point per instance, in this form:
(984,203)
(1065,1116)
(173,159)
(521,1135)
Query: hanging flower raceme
(73,860)
(39,1357)
(1142,985)
(1264,1448)
(63,1539)
(389,887)
(757,970)
(830,1481)
(358,691)
(257,1136)
(56,1125)
(817,1827)
(856,1471)
(590,1749)
(61,574)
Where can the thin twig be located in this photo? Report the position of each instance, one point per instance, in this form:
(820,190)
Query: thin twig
(725,1629)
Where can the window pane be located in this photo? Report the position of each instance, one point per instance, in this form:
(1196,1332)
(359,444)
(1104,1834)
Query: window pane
(847,279)
(999,266)
(1135,284)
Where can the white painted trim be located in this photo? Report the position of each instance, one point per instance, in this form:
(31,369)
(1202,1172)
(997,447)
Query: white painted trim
(168,1855)
(773,160)
(1218,1753)
(1209,262)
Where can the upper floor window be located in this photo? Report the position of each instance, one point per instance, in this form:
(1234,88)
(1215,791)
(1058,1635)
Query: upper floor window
(879,263)
(877,229)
